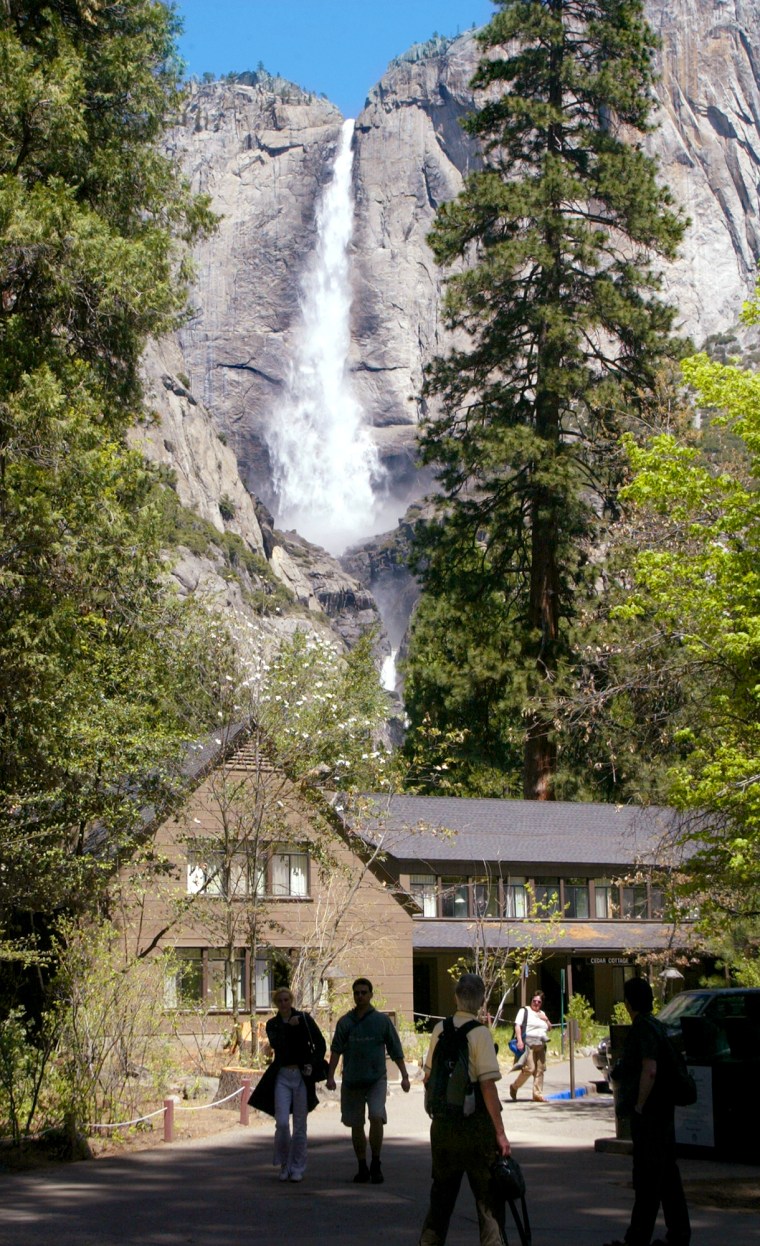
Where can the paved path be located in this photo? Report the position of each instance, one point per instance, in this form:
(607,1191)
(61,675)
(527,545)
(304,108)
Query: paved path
(223,1190)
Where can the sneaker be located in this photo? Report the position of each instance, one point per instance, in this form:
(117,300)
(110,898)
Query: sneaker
(363,1174)
(296,1176)
(284,1174)
(376,1173)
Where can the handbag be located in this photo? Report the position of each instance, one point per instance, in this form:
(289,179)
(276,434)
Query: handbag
(316,1044)
(319,1070)
(512,1044)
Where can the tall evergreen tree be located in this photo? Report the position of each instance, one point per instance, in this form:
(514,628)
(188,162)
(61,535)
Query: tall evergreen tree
(554,296)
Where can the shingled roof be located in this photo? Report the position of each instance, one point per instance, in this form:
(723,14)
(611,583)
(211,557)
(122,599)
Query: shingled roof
(550,833)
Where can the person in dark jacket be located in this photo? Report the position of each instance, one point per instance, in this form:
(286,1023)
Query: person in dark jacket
(645,1096)
(298,1044)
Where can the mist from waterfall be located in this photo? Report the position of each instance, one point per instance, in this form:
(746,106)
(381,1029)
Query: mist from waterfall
(324,462)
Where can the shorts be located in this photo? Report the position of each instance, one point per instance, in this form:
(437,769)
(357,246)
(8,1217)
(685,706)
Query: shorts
(354,1098)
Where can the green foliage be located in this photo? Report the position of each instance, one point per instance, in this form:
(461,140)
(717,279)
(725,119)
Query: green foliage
(227,508)
(620,1014)
(556,292)
(323,712)
(98,659)
(579,1010)
(23,1060)
(698,589)
(111,1053)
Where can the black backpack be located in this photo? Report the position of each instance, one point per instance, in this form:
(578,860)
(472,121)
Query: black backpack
(449,1093)
(673,1076)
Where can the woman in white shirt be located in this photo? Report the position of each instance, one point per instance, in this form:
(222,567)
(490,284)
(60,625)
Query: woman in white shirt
(531,1028)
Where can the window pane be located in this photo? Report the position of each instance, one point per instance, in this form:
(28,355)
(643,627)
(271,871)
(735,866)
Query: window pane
(657,901)
(204,872)
(605,898)
(547,896)
(485,894)
(422,887)
(184,987)
(289,873)
(515,900)
(221,975)
(298,873)
(576,897)
(263,982)
(635,901)
(454,897)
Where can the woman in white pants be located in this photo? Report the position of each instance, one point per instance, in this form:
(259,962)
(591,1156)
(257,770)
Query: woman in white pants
(298,1044)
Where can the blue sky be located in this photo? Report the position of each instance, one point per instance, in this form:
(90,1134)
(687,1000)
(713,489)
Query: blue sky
(341,47)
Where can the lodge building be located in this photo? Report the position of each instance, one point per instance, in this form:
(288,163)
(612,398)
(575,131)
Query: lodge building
(270,882)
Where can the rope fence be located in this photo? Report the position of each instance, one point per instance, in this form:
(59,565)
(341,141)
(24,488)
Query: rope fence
(170,1108)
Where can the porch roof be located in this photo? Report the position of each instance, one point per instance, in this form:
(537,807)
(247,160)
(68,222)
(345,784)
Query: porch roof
(623,937)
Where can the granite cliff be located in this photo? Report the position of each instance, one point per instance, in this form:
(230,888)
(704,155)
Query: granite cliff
(263,150)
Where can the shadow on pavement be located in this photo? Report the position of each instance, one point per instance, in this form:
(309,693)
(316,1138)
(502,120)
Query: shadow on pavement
(226,1190)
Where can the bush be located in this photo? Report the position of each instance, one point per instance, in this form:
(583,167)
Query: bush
(620,1015)
(580,1011)
(226,508)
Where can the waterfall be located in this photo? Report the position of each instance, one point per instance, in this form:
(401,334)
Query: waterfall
(324,462)
(388,676)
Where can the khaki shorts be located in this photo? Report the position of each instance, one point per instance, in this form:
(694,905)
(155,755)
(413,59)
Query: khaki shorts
(354,1098)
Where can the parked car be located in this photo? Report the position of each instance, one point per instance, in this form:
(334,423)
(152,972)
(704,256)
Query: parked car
(725,1020)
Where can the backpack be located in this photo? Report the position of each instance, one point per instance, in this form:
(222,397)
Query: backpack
(512,1044)
(449,1093)
(677,1084)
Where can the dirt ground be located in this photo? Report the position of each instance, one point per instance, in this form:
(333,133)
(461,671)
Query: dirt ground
(188,1125)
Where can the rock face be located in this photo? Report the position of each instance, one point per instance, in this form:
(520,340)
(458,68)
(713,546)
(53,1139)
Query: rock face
(263,152)
(709,151)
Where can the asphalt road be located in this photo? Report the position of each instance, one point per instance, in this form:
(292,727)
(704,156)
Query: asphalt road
(224,1190)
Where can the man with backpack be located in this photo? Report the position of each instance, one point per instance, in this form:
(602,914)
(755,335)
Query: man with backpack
(467,1131)
(646,1092)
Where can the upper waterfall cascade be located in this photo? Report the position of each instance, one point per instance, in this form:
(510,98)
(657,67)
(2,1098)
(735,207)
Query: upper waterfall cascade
(325,467)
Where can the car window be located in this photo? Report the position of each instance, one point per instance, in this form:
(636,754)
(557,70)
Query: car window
(684,1005)
(727,1006)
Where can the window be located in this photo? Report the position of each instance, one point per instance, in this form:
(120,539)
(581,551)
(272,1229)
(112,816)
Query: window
(289,872)
(184,985)
(634,901)
(657,901)
(211,872)
(422,887)
(203,976)
(515,902)
(485,897)
(605,898)
(454,897)
(262,982)
(546,892)
(221,976)
(576,898)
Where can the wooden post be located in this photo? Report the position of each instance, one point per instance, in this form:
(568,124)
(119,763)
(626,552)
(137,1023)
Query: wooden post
(244,1097)
(168,1120)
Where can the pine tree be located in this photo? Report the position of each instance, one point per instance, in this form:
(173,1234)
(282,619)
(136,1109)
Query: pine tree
(560,333)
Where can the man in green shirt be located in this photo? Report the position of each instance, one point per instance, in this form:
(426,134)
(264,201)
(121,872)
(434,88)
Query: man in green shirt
(362,1037)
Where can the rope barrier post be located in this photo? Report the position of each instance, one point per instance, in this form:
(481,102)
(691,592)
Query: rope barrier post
(245,1096)
(168,1120)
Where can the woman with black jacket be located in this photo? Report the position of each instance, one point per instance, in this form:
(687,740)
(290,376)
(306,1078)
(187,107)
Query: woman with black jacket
(298,1046)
